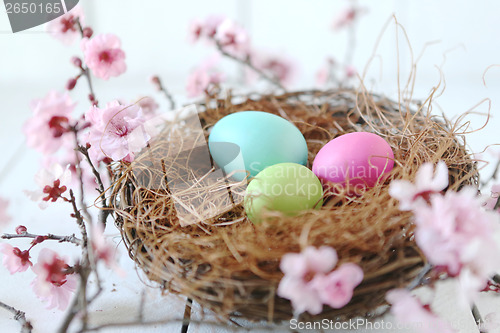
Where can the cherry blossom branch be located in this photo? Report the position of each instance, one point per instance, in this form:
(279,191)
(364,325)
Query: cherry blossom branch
(20,316)
(159,85)
(249,64)
(187,315)
(85,69)
(477,316)
(80,301)
(103,215)
(61,239)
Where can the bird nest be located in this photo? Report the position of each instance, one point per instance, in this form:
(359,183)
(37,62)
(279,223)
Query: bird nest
(189,232)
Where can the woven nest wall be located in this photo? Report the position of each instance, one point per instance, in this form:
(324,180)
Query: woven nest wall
(231,266)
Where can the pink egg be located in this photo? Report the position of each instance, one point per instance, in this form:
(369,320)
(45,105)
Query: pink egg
(358,160)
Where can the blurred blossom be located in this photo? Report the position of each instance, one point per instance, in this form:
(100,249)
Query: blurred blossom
(4,215)
(205,75)
(233,38)
(206,29)
(65,28)
(148,105)
(117,131)
(14,259)
(52,181)
(277,66)
(455,231)
(104,56)
(48,128)
(408,310)
(336,288)
(347,17)
(492,200)
(325,74)
(52,283)
(426,183)
(300,269)
(104,250)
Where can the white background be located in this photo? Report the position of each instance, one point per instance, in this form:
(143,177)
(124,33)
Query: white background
(154,36)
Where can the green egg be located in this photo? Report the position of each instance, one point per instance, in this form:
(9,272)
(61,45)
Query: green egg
(288,188)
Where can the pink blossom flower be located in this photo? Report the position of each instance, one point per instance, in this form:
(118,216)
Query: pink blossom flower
(300,269)
(425,185)
(492,200)
(4,215)
(205,29)
(233,38)
(102,249)
(14,259)
(350,71)
(326,72)
(52,182)
(65,28)
(347,17)
(336,288)
(48,128)
(456,231)
(195,30)
(408,310)
(52,283)
(116,131)
(104,56)
(148,105)
(277,66)
(202,77)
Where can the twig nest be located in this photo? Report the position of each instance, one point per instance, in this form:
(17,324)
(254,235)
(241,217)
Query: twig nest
(186,227)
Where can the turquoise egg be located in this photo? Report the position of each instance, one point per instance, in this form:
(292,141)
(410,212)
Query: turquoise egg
(254,140)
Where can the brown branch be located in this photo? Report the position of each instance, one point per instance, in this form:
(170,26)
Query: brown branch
(20,316)
(187,315)
(85,69)
(61,239)
(477,317)
(168,95)
(249,64)
(104,211)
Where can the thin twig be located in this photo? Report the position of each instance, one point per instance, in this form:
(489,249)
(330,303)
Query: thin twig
(165,92)
(80,301)
(249,64)
(187,315)
(477,317)
(103,215)
(85,68)
(79,173)
(497,205)
(61,239)
(418,279)
(20,316)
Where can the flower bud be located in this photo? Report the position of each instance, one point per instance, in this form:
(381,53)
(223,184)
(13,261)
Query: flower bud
(87,32)
(77,62)
(21,229)
(71,84)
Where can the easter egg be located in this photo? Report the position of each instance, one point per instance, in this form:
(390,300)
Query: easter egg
(263,139)
(355,160)
(288,188)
